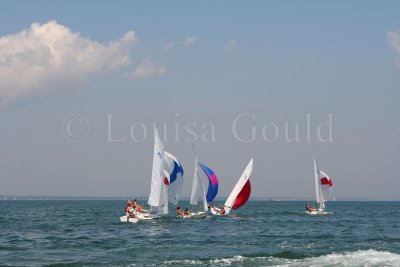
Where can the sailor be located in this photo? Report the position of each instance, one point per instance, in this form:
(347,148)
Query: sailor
(222,210)
(187,212)
(179,211)
(129,211)
(309,207)
(128,205)
(137,206)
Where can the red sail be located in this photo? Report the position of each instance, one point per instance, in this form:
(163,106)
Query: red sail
(243,196)
(327,181)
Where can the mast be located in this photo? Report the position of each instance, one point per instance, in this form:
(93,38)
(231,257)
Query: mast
(318,193)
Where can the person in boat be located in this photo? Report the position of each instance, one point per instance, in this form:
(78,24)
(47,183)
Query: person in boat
(129,210)
(222,210)
(137,206)
(218,210)
(310,208)
(212,206)
(131,213)
(128,205)
(179,211)
(187,212)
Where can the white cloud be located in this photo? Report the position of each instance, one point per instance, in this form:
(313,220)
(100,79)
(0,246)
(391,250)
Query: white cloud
(147,68)
(168,46)
(42,54)
(187,41)
(231,45)
(394,42)
(190,40)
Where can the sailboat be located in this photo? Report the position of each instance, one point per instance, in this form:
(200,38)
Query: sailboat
(198,194)
(240,193)
(323,185)
(158,197)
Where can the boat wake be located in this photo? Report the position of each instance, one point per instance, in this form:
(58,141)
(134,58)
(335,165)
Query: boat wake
(356,258)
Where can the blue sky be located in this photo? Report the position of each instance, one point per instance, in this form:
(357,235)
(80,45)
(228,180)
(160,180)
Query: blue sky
(147,62)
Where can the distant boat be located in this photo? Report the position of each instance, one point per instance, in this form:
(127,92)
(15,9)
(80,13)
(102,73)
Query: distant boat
(198,194)
(323,185)
(240,193)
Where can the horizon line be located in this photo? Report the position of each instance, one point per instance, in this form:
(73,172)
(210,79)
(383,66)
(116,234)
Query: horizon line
(221,198)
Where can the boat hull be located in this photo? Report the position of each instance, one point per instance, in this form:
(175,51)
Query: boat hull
(317,212)
(128,219)
(139,216)
(144,216)
(216,212)
(199,214)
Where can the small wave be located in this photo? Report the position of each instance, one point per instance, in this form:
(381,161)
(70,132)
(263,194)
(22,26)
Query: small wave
(356,258)
(183,262)
(228,261)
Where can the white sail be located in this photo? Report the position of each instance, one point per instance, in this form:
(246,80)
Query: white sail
(198,193)
(318,193)
(229,204)
(175,177)
(157,175)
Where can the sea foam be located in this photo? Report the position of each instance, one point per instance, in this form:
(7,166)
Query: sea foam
(356,258)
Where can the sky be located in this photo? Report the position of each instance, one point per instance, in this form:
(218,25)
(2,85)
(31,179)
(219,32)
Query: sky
(83,83)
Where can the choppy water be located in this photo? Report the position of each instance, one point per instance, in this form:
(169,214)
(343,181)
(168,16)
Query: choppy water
(259,234)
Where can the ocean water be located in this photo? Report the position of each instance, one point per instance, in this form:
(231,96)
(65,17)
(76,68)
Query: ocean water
(262,233)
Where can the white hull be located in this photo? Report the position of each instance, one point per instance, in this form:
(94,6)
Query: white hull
(216,212)
(147,216)
(127,219)
(200,214)
(140,216)
(317,212)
